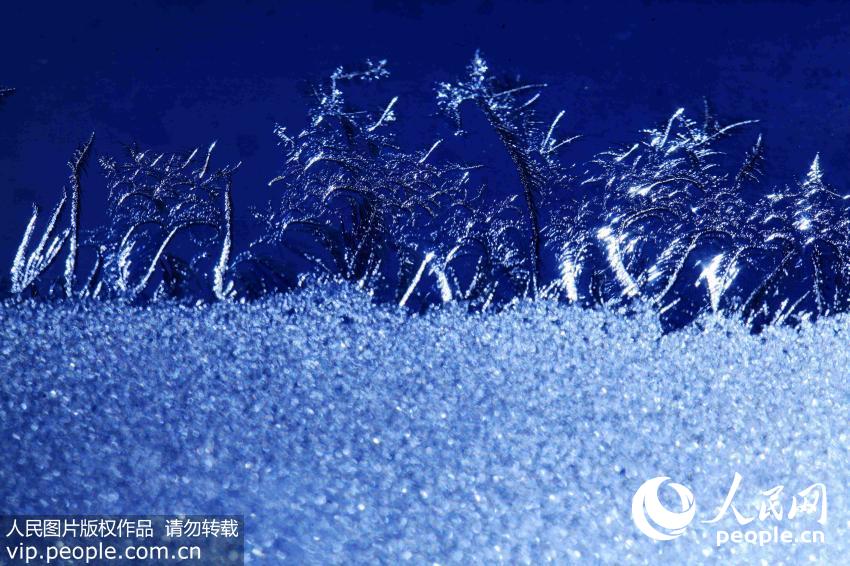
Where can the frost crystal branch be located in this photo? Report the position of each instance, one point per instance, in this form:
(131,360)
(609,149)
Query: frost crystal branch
(675,220)
(509,109)
(153,199)
(373,208)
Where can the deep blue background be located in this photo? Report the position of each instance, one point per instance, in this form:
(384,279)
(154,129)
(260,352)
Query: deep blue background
(175,75)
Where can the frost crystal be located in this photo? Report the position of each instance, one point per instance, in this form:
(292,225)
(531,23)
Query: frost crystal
(350,433)
(353,205)
(509,109)
(154,198)
(676,220)
(672,216)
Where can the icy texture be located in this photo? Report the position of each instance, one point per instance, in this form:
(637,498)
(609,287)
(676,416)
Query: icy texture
(354,433)
(352,204)
(509,108)
(678,219)
(153,198)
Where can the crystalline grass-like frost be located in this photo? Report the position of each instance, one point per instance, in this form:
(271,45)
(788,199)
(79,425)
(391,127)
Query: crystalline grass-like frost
(674,220)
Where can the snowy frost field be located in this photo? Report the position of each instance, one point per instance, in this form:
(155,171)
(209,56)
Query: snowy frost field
(353,433)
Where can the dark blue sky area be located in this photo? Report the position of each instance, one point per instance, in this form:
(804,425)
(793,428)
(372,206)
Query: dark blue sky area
(175,75)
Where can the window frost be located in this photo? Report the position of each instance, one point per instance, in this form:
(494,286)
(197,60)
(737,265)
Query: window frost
(673,219)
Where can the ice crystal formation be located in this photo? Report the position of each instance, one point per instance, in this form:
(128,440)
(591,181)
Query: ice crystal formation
(348,432)
(509,110)
(676,219)
(153,199)
(354,205)
(207,381)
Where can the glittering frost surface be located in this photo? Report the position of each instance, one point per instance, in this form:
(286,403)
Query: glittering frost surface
(347,432)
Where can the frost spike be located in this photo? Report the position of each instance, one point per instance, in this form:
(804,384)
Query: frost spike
(152,265)
(207,160)
(714,281)
(660,142)
(221,291)
(35,257)
(190,158)
(622,156)
(18,265)
(545,146)
(43,254)
(615,261)
(442,284)
(725,129)
(76,165)
(815,174)
(750,168)
(428,153)
(428,257)
(570,271)
(386,116)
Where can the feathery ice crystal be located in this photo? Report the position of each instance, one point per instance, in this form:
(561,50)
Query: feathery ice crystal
(674,220)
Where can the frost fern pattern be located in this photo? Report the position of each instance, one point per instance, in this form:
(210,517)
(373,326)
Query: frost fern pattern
(679,219)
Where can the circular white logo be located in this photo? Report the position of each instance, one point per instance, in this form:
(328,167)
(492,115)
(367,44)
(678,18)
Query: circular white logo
(653,519)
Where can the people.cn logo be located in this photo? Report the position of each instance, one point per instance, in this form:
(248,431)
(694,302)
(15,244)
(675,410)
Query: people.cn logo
(656,521)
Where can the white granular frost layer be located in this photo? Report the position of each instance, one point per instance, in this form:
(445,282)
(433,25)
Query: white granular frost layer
(351,433)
